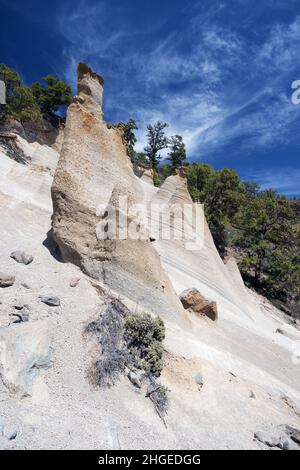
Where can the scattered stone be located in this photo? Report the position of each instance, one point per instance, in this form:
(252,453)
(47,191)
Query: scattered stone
(268,438)
(18,306)
(21,306)
(191,299)
(199,380)
(285,445)
(25,285)
(74,282)
(22,316)
(6,280)
(10,432)
(134,379)
(282,436)
(289,445)
(21,257)
(290,331)
(296,437)
(50,300)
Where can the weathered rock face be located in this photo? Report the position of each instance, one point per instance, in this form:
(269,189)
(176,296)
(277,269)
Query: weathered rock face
(47,131)
(94,170)
(24,351)
(193,300)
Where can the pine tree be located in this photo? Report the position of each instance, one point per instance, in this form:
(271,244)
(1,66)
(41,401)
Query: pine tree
(177,153)
(156,141)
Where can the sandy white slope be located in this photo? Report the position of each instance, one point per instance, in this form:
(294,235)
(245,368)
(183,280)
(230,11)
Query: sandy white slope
(239,355)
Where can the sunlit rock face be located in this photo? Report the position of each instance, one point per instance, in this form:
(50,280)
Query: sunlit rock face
(93,172)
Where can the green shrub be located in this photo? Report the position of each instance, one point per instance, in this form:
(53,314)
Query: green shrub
(144,336)
(156,179)
(53,94)
(25,103)
(20,101)
(127,340)
(131,341)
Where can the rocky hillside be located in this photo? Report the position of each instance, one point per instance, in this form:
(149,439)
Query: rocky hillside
(230,361)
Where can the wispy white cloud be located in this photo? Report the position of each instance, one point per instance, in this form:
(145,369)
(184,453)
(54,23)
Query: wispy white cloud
(284,180)
(211,84)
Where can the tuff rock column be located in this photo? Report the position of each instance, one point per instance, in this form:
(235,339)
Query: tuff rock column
(94,170)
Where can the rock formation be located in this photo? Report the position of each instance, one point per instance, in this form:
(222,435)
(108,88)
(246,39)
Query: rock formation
(191,299)
(234,386)
(47,131)
(94,170)
(198,266)
(24,350)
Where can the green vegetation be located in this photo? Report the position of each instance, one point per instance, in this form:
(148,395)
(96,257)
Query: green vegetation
(29,103)
(270,245)
(144,336)
(156,178)
(177,152)
(134,342)
(20,101)
(156,141)
(129,136)
(260,226)
(127,340)
(53,94)
(221,192)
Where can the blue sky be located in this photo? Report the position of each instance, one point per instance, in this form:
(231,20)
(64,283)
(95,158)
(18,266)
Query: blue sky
(219,72)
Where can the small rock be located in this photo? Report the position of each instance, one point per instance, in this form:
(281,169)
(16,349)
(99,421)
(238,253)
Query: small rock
(296,437)
(25,285)
(289,430)
(285,445)
(21,257)
(22,316)
(6,280)
(267,438)
(191,299)
(21,306)
(288,444)
(10,432)
(18,306)
(280,436)
(74,281)
(50,300)
(134,379)
(252,395)
(199,379)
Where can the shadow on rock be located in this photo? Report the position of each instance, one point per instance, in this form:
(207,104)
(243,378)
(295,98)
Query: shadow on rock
(52,246)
